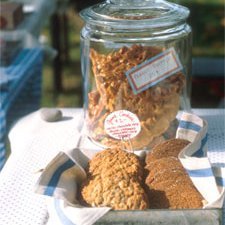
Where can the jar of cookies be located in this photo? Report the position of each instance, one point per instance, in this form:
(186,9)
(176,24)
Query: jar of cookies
(136,65)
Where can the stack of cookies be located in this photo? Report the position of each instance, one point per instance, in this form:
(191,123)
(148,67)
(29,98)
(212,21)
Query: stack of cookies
(115,180)
(169,184)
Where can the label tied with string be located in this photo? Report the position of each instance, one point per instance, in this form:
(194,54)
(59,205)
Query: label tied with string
(122,125)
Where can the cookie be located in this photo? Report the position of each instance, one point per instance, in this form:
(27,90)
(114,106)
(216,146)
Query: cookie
(117,192)
(115,160)
(115,180)
(184,196)
(177,196)
(166,175)
(168,148)
(169,184)
(163,164)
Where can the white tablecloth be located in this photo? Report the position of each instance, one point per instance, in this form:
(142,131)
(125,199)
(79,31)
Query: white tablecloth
(35,142)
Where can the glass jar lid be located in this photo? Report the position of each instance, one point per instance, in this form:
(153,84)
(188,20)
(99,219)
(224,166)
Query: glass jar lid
(135,14)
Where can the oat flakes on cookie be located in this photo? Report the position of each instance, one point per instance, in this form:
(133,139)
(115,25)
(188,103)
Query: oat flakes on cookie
(114,180)
(113,161)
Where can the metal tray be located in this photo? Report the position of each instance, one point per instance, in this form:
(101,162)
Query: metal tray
(163,217)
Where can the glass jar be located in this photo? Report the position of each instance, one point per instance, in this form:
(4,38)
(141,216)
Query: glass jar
(136,64)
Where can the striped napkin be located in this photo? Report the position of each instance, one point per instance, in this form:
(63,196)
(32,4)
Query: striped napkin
(208,179)
(60,180)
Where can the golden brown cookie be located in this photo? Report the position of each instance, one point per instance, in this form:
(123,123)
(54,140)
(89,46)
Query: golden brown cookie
(184,196)
(168,148)
(115,160)
(115,180)
(164,164)
(119,193)
(166,175)
(177,196)
(169,184)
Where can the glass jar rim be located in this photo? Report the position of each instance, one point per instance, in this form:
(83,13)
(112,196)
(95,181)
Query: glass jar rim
(135,15)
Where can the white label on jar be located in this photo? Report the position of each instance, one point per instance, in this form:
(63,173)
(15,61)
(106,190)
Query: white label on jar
(154,70)
(122,125)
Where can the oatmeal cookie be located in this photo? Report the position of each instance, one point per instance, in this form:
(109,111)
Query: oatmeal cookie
(117,192)
(115,180)
(115,160)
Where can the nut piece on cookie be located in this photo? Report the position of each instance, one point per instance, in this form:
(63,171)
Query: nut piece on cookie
(114,180)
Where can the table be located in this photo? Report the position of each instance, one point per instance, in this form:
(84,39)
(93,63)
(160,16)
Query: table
(20,90)
(35,142)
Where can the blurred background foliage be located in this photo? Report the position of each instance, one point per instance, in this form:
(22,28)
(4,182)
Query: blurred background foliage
(207,19)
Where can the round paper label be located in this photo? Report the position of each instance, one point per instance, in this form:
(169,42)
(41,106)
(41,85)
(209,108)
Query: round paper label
(122,125)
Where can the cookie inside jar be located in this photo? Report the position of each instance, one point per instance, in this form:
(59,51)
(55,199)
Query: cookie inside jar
(156,107)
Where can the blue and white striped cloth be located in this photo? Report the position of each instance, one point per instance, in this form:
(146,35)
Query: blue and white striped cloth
(208,179)
(20,90)
(59,179)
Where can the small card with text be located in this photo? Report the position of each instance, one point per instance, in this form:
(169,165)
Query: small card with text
(154,70)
